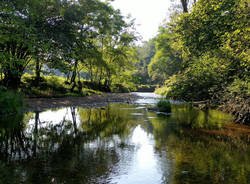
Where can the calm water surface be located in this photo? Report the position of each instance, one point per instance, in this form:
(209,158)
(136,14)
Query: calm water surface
(123,144)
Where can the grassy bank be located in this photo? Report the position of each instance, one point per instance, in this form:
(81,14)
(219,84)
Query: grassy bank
(53,86)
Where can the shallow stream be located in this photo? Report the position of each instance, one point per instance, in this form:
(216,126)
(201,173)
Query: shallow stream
(123,144)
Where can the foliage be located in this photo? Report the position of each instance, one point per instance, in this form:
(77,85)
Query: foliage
(146,88)
(23,36)
(56,86)
(204,78)
(164,106)
(74,37)
(145,53)
(167,60)
(212,42)
(10,102)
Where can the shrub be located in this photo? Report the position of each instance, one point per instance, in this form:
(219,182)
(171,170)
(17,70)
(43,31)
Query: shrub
(10,102)
(164,106)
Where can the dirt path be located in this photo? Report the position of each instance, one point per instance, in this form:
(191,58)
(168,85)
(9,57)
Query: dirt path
(41,104)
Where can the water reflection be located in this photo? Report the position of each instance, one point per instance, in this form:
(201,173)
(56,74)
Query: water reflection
(120,144)
(74,145)
(200,158)
(188,116)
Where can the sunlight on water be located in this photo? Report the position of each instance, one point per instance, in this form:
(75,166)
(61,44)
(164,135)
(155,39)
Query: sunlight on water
(144,167)
(148,98)
(148,95)
(54,117)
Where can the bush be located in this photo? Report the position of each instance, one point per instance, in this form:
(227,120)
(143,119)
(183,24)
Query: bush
(10,102)
(164,106)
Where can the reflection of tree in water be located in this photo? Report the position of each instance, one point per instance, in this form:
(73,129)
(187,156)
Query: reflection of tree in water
(64,152)
(13,141)
(200,158)
(188,116)
(106,122)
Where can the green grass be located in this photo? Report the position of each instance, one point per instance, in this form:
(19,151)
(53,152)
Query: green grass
(57,86)
(52,86)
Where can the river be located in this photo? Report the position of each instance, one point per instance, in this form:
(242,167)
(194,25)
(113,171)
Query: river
(123,144)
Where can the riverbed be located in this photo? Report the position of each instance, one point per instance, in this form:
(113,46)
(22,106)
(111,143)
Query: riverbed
(123,142)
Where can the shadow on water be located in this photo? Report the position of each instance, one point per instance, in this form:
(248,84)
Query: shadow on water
(121,144)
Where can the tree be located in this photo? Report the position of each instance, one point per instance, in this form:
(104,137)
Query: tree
(214,44)
(181,6)
(209,27)
(17,41)
(167,60)
(145,53)
(25,36)
(59,34)
(104,52)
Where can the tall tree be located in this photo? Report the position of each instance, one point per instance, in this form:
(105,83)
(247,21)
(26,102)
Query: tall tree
(24,36)
(17,41)
(60,34)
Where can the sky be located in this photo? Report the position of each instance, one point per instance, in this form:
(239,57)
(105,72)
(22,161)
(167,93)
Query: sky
(149,14)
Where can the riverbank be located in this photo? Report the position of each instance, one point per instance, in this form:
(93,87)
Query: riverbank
(96,100)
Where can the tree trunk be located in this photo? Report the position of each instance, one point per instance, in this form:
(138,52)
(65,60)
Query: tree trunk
(38,73)
(12,80)
(73,77)
(184,4)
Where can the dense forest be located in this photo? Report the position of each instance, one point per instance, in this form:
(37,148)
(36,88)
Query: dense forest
(79,47)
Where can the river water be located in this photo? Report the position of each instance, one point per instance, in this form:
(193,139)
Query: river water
(123,144)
